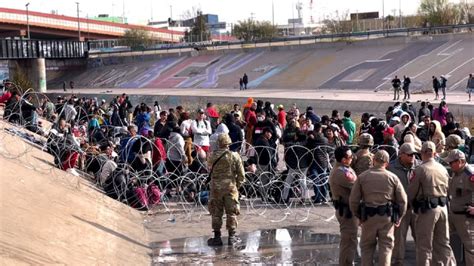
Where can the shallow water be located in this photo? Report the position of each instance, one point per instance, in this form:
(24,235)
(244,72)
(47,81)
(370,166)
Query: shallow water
(276,246)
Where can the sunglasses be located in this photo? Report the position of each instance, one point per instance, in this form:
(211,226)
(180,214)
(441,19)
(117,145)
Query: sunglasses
(410,155)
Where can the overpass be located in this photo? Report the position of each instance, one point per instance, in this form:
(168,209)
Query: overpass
(13,23)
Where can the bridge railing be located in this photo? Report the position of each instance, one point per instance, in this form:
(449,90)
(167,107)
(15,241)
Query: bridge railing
(110,47)
(49,49)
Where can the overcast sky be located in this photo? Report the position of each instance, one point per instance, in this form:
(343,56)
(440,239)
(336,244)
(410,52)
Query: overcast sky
(140,11)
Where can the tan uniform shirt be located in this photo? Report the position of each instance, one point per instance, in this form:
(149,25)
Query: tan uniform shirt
(461,189)
(341,180)
(429,180)
(377,187)
(363,161)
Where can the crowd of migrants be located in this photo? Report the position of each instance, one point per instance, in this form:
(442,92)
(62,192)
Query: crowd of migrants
(117,140)
(142,155)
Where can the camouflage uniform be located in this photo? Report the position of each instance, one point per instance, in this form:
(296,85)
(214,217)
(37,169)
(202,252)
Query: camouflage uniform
(227,176)
(461,191)
(363,159)
(341,180)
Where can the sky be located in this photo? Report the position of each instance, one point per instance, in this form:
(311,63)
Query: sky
(230,11)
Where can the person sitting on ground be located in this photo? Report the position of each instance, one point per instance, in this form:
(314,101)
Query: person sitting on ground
(199,165)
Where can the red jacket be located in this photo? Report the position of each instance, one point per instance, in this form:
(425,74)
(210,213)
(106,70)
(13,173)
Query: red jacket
(282,119)
(251,118)
(159,152)
(5,97)
(212,112)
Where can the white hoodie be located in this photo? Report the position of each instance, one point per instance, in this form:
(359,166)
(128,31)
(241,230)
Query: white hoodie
(221,129)
(201,130)
(401,126)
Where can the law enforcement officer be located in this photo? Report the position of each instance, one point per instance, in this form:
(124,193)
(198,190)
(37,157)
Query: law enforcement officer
(403,167)
(363,159)
(227,175)
(461,191)
(379,200)
(341,180)
(428,191)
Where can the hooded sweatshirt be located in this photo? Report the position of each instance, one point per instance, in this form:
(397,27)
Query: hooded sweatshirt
(401,126)
(438,137)
(222,128)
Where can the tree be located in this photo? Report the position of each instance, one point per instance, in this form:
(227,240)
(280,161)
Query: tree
(440,12)
(466,10)
(251,30)
(199,31)
(389,21)
(136,39)
(338,23)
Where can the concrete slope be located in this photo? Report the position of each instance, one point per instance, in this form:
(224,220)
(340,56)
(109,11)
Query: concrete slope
(368,65)
(51,217)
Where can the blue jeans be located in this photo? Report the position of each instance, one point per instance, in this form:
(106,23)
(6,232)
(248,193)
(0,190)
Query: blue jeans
(319,176)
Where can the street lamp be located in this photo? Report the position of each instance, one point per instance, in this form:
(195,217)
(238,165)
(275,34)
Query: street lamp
(78,22)
(27,21)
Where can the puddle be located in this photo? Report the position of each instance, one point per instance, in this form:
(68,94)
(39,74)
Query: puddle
(276,246)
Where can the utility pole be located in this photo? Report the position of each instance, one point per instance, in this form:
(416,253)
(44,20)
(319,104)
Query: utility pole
(27,21)
(400,12)
(293,11)
(273,13)
(383,15)
(88,31)
(123,12)
(171,18)
(78,23)
(151,10)
(357,20)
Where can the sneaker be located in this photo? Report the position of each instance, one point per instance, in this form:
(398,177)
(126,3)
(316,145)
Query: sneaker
(73,172)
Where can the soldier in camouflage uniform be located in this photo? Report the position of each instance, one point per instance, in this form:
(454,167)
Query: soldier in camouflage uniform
(461,192)
(363,159)
(227,175)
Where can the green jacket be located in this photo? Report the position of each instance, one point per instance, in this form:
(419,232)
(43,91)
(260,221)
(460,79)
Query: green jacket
(350,127)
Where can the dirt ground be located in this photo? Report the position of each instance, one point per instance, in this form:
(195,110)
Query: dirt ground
(51,217)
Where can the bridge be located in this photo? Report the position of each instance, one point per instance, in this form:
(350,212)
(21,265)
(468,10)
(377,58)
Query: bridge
(14,22)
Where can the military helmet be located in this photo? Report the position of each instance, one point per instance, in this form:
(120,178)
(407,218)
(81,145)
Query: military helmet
(365,139)
(224,140)
(453,141)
